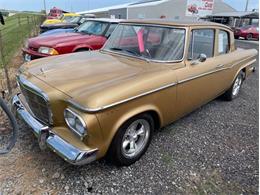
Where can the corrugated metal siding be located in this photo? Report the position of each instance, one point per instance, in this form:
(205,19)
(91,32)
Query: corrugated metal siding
(174,9)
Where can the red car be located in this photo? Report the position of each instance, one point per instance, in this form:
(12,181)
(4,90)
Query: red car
(247,32)
(91,35)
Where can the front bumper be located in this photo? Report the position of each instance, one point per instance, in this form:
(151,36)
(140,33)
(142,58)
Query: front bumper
(34,54)
(48,138)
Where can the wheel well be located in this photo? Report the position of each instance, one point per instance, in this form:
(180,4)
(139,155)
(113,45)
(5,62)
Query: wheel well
(244,73)
(156,119)
(82,49)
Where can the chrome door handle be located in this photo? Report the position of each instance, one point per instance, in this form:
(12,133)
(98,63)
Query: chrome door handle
(220,66)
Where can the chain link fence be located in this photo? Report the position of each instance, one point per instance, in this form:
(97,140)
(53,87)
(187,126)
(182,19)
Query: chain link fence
(17,29)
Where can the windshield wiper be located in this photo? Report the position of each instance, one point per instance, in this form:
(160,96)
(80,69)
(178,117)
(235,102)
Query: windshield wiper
(131,52)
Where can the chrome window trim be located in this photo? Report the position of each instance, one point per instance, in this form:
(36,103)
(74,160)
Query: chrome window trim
(91,110)
(147,59)
(37,91)
(81,120)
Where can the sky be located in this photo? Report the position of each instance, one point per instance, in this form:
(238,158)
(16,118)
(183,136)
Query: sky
(82,5)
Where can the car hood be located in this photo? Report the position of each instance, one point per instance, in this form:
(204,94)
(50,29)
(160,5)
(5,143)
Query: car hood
(96,79)
(52,41)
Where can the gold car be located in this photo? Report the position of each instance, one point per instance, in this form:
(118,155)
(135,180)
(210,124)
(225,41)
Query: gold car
(88,105)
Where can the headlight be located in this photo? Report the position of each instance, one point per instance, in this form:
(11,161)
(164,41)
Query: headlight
(48,50)
(75,122)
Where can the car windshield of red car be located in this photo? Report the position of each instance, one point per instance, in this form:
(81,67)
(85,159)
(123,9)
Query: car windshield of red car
(93,28)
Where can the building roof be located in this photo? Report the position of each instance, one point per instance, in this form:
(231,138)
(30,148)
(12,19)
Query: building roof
(140,3)
(170,22)
(105,20)
(236,14)
(105,9)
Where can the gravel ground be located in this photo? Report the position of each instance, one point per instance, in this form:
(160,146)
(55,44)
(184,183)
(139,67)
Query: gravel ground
(214,150)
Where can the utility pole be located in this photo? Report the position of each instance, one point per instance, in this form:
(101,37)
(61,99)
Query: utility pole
(45,9)
(247,2)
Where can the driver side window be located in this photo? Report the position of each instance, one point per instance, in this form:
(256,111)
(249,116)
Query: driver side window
(201,42)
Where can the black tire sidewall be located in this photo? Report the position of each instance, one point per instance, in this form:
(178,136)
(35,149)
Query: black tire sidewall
(116,150)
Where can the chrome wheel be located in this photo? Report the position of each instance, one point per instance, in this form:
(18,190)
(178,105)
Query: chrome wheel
(237,85)
(135,138)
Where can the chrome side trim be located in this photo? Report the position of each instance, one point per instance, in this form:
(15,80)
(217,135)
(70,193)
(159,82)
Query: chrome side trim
(201,75)
(216,70)
(90,110)
(85,109)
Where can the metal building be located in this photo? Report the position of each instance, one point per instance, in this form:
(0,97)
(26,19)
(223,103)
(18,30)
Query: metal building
(171,9)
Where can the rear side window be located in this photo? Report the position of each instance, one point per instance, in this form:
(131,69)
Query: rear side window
(223,42)
(202,42)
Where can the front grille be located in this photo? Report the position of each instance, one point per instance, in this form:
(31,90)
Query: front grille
(38,105)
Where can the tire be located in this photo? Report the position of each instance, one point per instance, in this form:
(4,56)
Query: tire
(233,91)
(249,36)
(120,152)
(236,37)
(13,124)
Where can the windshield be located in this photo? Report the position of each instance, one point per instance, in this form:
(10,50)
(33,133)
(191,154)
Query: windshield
(93,27)
(155,43)
(73,19)
(68,18)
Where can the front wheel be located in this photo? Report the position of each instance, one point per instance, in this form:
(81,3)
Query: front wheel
(234,90)
(249,36)
(132,140)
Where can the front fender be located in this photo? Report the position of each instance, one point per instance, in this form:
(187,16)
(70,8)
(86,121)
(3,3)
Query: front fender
(111,121)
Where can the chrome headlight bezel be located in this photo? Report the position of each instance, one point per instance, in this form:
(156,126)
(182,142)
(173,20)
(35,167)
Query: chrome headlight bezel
(74,121)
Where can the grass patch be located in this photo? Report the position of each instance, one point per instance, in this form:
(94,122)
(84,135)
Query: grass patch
(17,28)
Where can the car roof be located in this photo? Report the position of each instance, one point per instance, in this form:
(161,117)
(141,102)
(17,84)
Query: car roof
(105,20)
(184,23)
(71,14)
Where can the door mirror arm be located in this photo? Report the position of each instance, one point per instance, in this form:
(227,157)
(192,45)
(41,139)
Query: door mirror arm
(202,58)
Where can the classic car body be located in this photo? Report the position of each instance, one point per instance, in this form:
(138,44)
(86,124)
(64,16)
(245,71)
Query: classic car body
(247,32)
(88,105)
(91,35)
(62,18)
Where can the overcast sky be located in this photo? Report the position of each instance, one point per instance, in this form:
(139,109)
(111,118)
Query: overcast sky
(82,5)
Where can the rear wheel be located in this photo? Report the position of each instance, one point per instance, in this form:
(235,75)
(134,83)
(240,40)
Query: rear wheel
(234,90)
(236,37)
(132,140)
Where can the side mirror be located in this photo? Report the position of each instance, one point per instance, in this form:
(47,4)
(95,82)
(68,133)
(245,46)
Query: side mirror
(202,57)
(2,19)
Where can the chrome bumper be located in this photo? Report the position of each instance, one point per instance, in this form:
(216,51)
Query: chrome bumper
(47,138)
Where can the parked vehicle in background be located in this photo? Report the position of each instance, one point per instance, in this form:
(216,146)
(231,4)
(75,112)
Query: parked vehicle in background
(91,35)
(109,102)
(55,13)
(70,23)
(247,32)
(58,31)
(62,18)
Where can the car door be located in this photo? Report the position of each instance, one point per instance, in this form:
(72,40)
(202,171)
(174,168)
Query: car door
(200,81)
